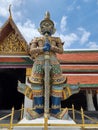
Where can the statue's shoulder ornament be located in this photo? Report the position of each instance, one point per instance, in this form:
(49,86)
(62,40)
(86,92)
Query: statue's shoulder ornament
(37,40)
(57,40)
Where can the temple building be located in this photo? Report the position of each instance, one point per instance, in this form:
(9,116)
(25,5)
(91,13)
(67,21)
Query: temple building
(80,66)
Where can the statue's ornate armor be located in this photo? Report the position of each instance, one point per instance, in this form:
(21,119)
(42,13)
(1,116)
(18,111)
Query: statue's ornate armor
(37,76)
(36,50)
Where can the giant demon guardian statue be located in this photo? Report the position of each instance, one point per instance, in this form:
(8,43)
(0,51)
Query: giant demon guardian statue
(47,81)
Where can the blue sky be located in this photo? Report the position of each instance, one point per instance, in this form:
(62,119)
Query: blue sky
(76,21)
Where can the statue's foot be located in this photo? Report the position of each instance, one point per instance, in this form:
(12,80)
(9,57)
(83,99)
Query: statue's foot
(61,115)
(31,114)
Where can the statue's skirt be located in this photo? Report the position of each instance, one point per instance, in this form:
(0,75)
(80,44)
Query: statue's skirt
(37,75)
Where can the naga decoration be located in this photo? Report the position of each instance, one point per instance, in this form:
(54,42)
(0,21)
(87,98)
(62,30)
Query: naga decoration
(47,80)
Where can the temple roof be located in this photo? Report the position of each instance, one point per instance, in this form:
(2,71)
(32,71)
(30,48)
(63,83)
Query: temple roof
(83,79)
(15,62)
(79,68)
(8,27)
(11,40)
(86,81)
(78,57)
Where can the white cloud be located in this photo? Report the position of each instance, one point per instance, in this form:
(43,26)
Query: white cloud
(63,23)
(28,30)
(68,39)
(84,35)
(81,36)
(3,12)
(92,45)
(4,6)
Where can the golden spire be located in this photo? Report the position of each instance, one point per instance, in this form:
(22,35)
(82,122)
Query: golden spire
(47,15)
(10,11)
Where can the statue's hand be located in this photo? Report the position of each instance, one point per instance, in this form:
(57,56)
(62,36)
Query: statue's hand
(46,47)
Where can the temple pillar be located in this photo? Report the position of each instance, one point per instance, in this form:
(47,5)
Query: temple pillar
(28,103)
(90,104)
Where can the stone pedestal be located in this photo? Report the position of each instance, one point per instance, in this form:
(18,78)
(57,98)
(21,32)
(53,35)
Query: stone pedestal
(50,121)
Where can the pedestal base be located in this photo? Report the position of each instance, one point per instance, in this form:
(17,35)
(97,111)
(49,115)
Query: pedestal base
(50,121)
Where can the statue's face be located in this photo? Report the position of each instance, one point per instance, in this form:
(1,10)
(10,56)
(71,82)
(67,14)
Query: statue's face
(47,27)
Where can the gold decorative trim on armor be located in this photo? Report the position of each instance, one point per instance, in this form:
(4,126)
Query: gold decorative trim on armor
(33,114)
(35,80)
(58,80)
(69,91)
(37,93)
(55,106)
(28,71)
(39,76)
(39,106)
(61,114)
(66,93)
(28,92)
(32,93)
(57,93)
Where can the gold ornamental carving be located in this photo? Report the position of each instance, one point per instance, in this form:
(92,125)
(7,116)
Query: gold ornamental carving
(28,71)
(13,45)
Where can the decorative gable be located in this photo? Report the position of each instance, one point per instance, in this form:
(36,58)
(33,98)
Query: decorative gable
(11,40)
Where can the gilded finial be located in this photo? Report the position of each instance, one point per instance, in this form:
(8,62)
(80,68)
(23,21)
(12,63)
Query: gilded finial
(47,15)
(47,25)
(10,11)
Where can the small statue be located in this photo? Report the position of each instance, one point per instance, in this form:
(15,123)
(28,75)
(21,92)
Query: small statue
(47,81)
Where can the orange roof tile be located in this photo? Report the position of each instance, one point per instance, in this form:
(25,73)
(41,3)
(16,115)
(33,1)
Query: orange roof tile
(79,68)
(78,57)
(11,59)
(76,67)
(82,79)
(15,62)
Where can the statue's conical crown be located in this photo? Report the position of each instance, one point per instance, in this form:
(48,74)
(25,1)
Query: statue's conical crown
(47,25)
